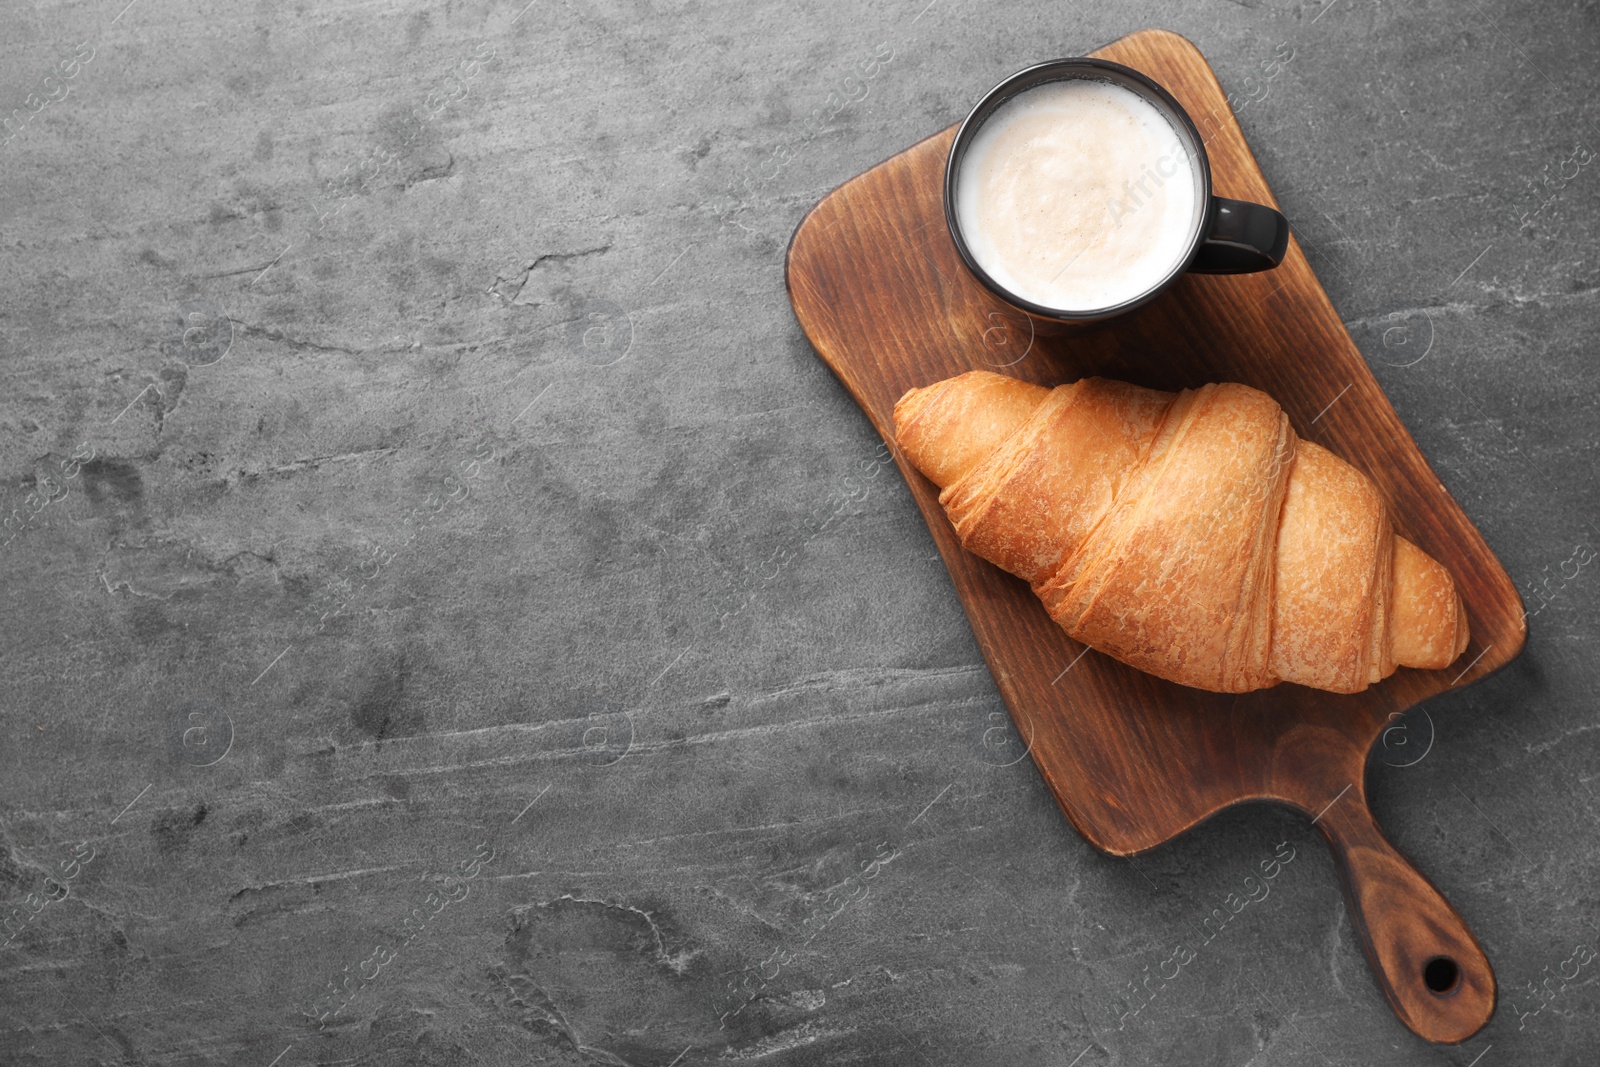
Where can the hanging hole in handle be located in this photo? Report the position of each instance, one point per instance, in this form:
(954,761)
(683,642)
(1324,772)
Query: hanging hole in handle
(1441,975)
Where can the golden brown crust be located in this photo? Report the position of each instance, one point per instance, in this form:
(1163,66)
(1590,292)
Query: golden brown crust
(1331,577)
(1025,505)
(1193,536)
(1177,580)
(1430,622)
(987,408)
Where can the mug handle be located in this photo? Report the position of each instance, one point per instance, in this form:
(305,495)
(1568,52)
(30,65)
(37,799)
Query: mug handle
(1244,238)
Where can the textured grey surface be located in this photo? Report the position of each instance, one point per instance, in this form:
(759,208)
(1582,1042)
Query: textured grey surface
(414,455)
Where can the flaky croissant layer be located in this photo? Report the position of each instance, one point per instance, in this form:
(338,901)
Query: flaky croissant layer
(1191,535)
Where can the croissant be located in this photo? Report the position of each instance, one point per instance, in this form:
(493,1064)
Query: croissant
(1190,535)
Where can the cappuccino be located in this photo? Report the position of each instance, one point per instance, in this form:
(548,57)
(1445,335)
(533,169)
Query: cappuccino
(1078,195)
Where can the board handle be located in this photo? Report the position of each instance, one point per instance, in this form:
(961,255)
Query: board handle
(1426,961)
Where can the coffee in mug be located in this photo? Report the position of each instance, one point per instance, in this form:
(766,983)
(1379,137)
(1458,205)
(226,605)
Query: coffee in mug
(1078,195)
(1079,189)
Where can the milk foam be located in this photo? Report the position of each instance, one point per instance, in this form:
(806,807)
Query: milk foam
(1077,195)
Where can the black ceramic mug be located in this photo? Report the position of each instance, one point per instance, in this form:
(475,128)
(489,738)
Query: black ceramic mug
(1227,236)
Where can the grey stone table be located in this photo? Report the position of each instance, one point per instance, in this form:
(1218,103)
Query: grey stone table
(452,617)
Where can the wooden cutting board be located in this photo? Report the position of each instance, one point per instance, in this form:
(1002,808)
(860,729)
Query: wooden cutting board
(1134,760)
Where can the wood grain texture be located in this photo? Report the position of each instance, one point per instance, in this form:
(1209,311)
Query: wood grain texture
(1133,760)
